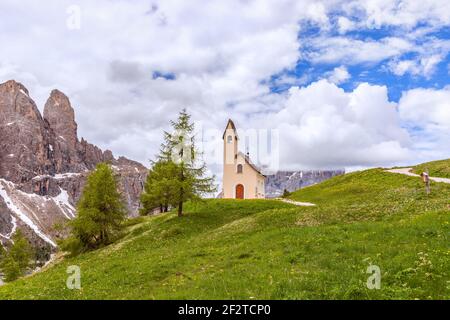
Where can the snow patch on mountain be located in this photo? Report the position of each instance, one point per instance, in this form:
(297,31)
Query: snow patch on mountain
(62,200)
(23,206)
(60,176)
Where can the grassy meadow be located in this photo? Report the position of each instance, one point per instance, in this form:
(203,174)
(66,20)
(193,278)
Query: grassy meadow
(440,168)
(268,249)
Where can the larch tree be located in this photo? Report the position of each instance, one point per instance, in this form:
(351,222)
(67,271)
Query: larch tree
(2,252)
(160,187)
(101,211)
(17,260)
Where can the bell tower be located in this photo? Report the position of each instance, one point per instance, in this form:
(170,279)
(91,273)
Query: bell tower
(230,144)
(230,152)
(241,178)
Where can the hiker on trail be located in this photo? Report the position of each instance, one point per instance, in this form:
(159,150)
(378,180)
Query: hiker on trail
(426,180)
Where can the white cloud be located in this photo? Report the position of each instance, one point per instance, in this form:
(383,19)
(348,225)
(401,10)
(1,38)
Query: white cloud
(399,68)
(428,52)
(355,51)
(345,25)
(427,113)
(428,64)
(424,66)
(219,52)
(338,75)
(406,13)
(323,126)
(427,108)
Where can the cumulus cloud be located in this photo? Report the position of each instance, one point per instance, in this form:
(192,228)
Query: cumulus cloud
(218,53)
(338,75)
(427,108)
(427,113)
(324,126)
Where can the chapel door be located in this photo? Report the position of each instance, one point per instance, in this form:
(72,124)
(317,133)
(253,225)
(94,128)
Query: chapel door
(239,191)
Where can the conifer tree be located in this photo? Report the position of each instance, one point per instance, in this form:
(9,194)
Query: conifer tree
(2,255)
(160,187)
(10,269)
(101,210)
(186,177)
(2,252)
(16,260)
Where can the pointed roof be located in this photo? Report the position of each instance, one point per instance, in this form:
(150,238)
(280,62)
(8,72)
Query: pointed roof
(230,123)
(251,164)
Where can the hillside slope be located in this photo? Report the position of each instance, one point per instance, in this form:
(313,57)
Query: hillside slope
(440,168)
(266,249)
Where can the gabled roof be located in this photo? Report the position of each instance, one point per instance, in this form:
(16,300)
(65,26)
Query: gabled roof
(251,164)
(230,123)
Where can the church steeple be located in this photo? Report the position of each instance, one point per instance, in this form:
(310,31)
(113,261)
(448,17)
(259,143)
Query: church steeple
(230,143)
(230,126)
(241,178)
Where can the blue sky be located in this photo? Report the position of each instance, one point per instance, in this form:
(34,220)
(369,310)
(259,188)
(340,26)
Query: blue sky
(374,72)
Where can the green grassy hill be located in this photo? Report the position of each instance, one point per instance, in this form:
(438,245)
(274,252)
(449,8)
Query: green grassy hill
(267,249)
(439,168)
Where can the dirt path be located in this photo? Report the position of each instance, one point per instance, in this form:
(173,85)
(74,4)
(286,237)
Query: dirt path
(297,203)
(407,171)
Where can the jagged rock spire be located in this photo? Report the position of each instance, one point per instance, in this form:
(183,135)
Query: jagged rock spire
(60,115)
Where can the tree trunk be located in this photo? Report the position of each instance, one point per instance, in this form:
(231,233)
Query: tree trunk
(180,209)
(180,203)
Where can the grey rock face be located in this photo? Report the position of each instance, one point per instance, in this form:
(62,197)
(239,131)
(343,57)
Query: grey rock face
(25,138)
(294,180)
(43,165)
(59,113)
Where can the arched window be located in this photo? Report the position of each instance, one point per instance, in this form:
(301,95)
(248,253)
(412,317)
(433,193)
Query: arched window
(229,139)
(239,168)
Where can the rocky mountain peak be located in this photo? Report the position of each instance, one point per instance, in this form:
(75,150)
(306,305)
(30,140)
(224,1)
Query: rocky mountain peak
(32,145)
(16,103)
(23,135)
(60,115)
(13,86)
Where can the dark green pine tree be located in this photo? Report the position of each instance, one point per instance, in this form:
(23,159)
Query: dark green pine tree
(179,147)
(2,255)
(101,211)
(16,261)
